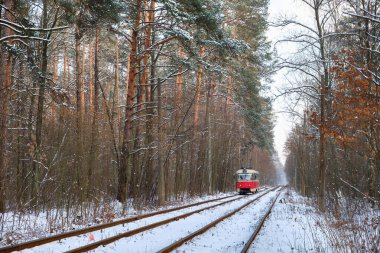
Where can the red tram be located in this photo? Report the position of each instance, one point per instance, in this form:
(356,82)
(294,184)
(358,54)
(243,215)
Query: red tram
(247,181)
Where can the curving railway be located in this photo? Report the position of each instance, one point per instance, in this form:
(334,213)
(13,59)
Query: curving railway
(153,232)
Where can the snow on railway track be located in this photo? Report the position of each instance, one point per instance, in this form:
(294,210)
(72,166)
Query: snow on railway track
(65,238)
(233,234)
(153,232)
(159,238)
(81,237)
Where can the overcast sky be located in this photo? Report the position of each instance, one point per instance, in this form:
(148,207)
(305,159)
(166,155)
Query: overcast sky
(277,8)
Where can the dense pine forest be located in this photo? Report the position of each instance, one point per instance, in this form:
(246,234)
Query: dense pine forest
(138,101)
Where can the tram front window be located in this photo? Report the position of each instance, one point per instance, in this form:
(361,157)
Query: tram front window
(244,177)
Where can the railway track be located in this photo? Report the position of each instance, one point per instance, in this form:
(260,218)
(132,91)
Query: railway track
(141,229)
(58,237)
(111,239)
(180,242)
(250,241)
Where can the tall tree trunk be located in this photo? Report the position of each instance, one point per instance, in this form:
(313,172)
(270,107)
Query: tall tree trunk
(198,90)
(65,66)
(135,161)
(161,169)
(5,87)
(133,61)
(21,149)
(91,75)
(149,39)
(178,180)
(150,172)
(40,107)
(55,80)
(116,100)
(324,89)
(303,159)
(149,19)
(68,76)
(322,153)
(79,113)
(209,136)
(194,149)
(78,74)
(229,96)
(95,117)
(374,165)
(31,120)
(141,99)
(83,73)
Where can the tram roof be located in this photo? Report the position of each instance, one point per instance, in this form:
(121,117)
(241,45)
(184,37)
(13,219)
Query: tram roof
(247,170)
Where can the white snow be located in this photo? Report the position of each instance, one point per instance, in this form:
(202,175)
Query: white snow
(231,234)
(293,226)
(158,238)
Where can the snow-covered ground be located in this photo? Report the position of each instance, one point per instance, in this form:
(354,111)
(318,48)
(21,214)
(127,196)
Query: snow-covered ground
(74,242)
(231,234)
(16,228)
(292,226)
(158,238)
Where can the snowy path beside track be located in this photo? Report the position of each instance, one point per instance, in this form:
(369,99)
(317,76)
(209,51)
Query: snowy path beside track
(293,226)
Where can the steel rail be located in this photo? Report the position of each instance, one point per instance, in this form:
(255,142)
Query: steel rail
(57,237)
(257,230)
(178,243)
(142,229)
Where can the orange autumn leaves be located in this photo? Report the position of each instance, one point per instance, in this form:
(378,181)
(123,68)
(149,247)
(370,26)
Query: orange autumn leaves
(354,110)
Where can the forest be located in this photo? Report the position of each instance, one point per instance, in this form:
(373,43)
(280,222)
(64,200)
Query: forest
(337,135)
(140,102)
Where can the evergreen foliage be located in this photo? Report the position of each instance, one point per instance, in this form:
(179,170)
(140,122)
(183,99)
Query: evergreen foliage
(72,67)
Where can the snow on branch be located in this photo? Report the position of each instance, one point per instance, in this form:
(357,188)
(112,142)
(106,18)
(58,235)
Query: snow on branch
(12,37)
(14,27)
(286,22)
(357,190)
(363,17)
(23,31)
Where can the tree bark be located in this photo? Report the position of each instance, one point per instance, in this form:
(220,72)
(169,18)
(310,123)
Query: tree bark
(78,74)
(79,112)
(198,90)
(116,101)
(178,180)
(322,154)
(228,98)
(65,67)
(133,61)
(40,107)
(209,136)
(136,174)
(161,169)
(82,99)
(150,96)
(324,90)
(5,87)
(91,75)
(194,170)
(95,116)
